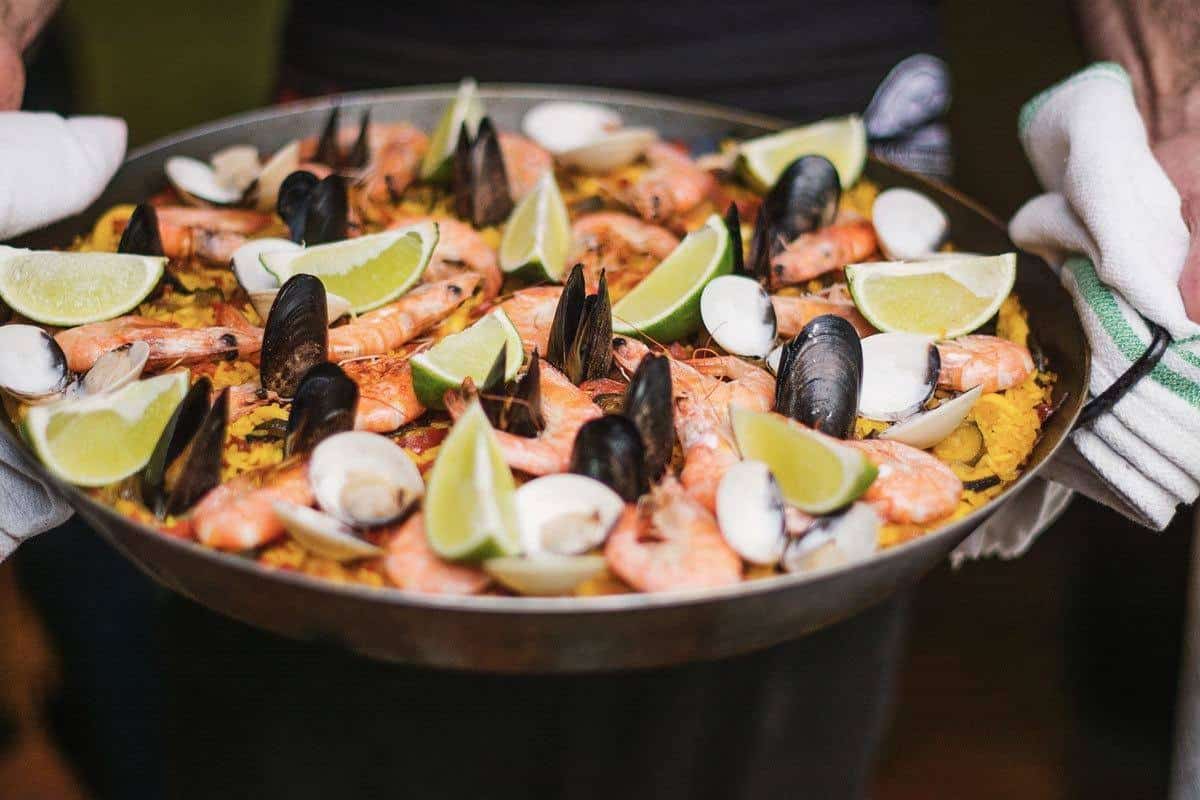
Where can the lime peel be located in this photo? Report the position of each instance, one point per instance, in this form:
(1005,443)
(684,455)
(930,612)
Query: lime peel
(537,235)
(469,353)
(75,288)
(842,140)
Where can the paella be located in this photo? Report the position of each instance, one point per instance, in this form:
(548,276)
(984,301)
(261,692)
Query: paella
(569,359)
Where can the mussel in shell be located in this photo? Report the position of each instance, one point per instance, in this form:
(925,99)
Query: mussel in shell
(329,152)
(580,344)
(292,201)
(804,198)
(820,376)
(481,192)
(296,336)
(733,223)
(186,462)
(316,211)
(900,372)
(32,365)
(514,406)
(324,404)
(610,450)
(650,405)
(141,236)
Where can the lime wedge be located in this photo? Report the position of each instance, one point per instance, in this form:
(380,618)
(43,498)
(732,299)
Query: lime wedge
(368,271)
(103,438)
(538,234)
(815,473)
(843,140)
(470,503)
(665,306)
(943,297)
(465,107)
(469,354)
(75,288)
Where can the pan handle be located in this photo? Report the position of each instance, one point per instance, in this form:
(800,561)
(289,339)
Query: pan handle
(1143,366)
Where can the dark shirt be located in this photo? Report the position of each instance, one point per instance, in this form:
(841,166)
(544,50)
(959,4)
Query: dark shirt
(802,59)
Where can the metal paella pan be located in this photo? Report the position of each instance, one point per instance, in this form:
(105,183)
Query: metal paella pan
(521,634)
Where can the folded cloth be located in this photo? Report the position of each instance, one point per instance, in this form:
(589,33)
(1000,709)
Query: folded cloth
(27,506)
(51,167)
(1110,225)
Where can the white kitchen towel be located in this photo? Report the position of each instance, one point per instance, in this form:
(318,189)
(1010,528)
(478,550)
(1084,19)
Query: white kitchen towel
(1110,224)
(27,506)
(51,167)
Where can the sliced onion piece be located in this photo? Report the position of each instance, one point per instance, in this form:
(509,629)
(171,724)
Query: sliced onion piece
(750,512)
(565,514)
(834,540)
(611,151)
(738,314)
(908,224)
(247,264)
(927,429)
(321,534)
(544,575)
(900,372)
(196,181)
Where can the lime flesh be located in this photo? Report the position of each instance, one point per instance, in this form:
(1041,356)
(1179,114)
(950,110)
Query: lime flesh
(469,354)
(465,107)
(67,288)
(538,234)
(842,140)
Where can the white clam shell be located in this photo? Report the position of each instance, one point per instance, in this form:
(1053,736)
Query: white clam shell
(842,539)
(197,181)
(560,126)
(545,575)
(116,368)
(336,306)
(364,479)
(928,428)
(899,375)
(285,161)
(565,514)
(247,263)
(738,314)
(322,534)
(236,166)
(751,512)
(611,151)
(773,359)
(32,365)
(908,224)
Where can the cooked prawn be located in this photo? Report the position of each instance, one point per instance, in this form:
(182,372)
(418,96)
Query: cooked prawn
(565,409)
(525,162)
(386,398)
(793,312)
(384,329)
(210,234)
(912,485)
(169,344)
(673,186)
(813,254)
(620,245)
(670,541)
(411,564)
(702,403)
(991,362)
(460,249)
(531,312)
(238,515)
(397,152)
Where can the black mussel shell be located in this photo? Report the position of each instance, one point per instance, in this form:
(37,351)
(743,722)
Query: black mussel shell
(360,153)
(327,215)
(804,198)
(480,180)
(296,336)
(590,355)
(733,222)
(292,203)
(610,450)
(650,404)
(515,406)
(567,315)
(820,376)
(185,421)
(324,405)
(198,469)
(763,246)
(328,151)
(141,236)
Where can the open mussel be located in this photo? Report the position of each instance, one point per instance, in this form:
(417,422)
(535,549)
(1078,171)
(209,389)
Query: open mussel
(650,405)
(292,201)
(733,223)
(324,404)
(329,150)
(900,373)
(804,198)
(186,462)
(141,236)
(514,406)
(580,344)
(481,192)
(316,211)
(820,376)
(610,450)
(296,335)
(33,367)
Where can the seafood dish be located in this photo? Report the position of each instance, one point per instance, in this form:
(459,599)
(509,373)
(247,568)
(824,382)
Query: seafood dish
(568,359)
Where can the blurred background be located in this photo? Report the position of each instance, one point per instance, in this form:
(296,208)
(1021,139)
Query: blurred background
(1049,677)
